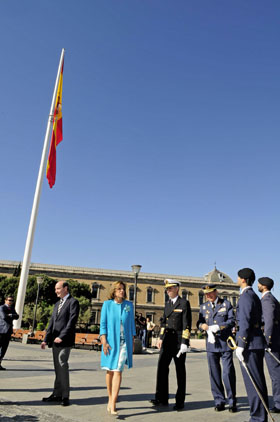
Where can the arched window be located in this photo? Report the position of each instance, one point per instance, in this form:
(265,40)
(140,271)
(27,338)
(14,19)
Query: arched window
(166,297)
(200,298)
(149,295)
(234,301)
(131,293)
(225,297)
(185,294)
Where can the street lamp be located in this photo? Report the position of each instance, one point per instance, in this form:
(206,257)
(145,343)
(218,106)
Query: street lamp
(136,269)
(39,280)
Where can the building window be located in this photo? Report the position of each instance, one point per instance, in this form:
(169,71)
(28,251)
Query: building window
(225,297)
(201,298)
(166,297)
(234,301)
(149,295)
(95,290)
(131,293)
(185,294)
(93,317)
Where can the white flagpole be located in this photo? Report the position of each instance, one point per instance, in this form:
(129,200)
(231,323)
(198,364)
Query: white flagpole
(34,212)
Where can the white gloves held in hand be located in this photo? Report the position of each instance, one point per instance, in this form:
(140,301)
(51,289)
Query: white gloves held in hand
(214,328)
(183,349)
(211,337)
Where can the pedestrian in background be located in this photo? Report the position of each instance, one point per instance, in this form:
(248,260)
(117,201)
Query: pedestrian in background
(7,316)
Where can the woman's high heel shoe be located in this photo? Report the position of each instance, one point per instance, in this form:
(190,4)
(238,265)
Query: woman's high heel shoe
(114,412)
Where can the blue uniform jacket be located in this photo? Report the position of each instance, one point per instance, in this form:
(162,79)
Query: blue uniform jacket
(110,323)
(249,319)
(222,315)
(271,320)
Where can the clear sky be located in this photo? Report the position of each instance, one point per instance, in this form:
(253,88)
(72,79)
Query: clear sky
(171,116)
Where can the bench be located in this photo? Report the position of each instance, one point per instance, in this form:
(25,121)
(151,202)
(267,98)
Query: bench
(87,341)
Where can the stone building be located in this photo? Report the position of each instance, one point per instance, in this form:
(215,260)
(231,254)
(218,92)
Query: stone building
(151,294)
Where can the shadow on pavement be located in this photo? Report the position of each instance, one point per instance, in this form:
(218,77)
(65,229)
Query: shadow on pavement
(19,418)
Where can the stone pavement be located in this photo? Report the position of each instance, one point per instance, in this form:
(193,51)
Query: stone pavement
(29,377)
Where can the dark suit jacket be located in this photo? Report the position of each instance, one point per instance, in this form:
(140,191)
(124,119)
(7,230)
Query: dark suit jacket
(63,325)
(176,319)
(249,320)
(7,315)
(271,319)
(222,315)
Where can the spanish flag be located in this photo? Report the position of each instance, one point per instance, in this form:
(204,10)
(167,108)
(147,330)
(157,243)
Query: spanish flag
(56,132)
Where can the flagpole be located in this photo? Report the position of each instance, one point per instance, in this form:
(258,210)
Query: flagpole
(34,212)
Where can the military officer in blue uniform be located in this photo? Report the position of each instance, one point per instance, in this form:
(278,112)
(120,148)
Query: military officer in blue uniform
(251,343)
(173,344)
(216,317)
(271,320)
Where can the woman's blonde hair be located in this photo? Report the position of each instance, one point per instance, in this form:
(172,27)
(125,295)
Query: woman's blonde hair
(114,288)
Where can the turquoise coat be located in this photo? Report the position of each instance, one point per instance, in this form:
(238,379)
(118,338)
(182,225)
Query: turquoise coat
(110,323)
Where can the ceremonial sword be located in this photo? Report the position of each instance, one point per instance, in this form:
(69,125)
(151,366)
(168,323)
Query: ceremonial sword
(271,354)
(232,345)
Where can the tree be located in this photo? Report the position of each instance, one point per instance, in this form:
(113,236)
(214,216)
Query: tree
(47,298)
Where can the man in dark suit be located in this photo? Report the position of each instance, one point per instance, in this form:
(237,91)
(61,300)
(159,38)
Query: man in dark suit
(216,317)
(251,343)
(271,320)
(7,315)
(60,336)
(173,344)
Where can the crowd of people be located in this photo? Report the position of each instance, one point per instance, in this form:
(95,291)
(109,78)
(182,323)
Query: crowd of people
(253,331)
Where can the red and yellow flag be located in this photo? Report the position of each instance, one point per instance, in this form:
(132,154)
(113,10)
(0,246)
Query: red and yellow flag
(56,132)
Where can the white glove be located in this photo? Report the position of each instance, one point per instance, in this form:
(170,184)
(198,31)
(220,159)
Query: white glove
(239,353)
(214,328)
(211,337)
(183,349)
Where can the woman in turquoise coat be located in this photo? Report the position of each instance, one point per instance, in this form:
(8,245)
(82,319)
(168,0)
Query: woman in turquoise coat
(117,330)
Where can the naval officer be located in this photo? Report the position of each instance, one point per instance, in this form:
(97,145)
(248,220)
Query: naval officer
(271,320)
(173,344)
(216,317)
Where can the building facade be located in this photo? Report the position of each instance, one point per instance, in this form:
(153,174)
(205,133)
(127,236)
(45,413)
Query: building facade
(151,294)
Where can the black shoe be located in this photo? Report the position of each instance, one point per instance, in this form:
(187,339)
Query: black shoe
(274,410)
(232,409)
(52,398)
(65,402)
(178,407)
(2,368)
(219,408)
(156,402)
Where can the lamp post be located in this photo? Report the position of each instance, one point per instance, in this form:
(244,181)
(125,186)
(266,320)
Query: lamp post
(39,280)
(136,269)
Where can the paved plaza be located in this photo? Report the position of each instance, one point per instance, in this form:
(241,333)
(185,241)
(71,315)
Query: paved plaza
(29,377)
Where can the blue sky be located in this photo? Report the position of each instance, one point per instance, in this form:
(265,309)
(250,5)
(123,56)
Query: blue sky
(170,155)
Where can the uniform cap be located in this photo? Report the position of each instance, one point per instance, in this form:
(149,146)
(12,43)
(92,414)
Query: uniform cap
(168,282)
(247,274)
(208,288)
(266,281)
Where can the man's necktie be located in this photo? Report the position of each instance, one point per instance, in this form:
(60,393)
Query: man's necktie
(213,306)
(59,306)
